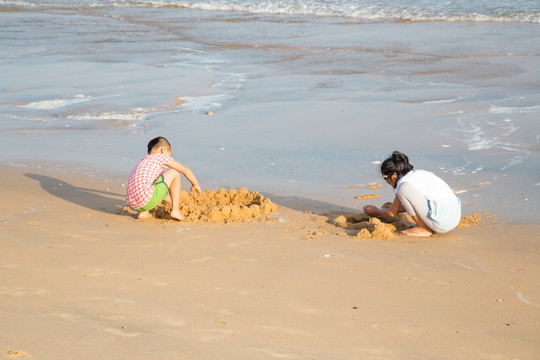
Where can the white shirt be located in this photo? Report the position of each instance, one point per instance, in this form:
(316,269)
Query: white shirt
(444,207)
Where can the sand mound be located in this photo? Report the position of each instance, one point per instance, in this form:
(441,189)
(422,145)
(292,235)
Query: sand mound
(370,186)
(373,228)
(475,219)
(388,228)
(221,206)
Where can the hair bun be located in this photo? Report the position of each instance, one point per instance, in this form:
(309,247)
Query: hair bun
(398,164)
(399,156)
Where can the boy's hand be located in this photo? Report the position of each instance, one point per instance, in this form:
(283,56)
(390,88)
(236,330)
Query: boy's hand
(196,191)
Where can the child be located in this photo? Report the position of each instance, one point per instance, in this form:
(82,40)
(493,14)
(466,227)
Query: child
(149,185)
(424,196)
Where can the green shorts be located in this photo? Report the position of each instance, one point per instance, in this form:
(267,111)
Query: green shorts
(160,193)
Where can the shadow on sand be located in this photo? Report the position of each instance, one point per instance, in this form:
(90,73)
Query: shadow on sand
(303,204)
(103,201)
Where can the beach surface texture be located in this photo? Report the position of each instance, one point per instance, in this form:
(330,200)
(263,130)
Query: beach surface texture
(284,110)
(81,278)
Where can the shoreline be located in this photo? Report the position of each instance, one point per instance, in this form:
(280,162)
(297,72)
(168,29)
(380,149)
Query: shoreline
(347,199)
(81,279)
(289,113)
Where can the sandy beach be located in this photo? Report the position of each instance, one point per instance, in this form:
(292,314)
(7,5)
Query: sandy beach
(82,279)
(299,102)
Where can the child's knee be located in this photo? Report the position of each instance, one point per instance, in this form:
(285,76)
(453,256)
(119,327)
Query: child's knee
(172,172)
(171,175)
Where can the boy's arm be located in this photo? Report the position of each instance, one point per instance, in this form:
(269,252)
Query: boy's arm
(195,189)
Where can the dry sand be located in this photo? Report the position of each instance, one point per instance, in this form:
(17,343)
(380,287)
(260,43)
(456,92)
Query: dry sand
(80,278)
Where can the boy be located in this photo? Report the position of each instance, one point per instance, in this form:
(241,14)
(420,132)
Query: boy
(149,184)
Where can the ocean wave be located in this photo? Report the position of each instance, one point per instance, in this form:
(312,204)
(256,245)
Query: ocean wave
(400,10)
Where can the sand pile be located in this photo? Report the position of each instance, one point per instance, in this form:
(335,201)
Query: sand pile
(368,196)
(373,228)
(388,228)
(221,206)
(475,219)
(370,186)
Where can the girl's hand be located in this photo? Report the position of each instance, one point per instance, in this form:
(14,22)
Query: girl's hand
(196,191)
(371,210)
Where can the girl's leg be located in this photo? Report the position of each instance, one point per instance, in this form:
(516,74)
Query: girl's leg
(174,182)
(415,203)
(421,229)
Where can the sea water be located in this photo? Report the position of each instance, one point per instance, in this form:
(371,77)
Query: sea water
(287,97)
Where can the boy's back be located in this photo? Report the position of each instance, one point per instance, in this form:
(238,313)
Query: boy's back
(142,177)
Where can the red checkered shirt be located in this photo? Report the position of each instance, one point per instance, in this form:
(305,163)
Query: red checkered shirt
(141,179)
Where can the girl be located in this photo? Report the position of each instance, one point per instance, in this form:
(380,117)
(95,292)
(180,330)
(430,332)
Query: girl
(424,196)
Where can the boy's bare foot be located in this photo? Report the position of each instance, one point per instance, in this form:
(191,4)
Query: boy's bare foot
(416,231)
(175,214)
(144,215)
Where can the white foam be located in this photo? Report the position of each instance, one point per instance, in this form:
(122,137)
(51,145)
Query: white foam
(514,110)
(232,81)
(108,116)
(477,137)
(56,103)
(447,101)
(514,161)
(203,102)
(450,11)
(27,118)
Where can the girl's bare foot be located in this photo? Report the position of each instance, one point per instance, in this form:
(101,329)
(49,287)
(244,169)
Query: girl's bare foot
(144,215)
(175,214)
(416,231)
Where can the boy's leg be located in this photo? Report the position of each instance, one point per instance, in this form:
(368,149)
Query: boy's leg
(144,215)
(174,182)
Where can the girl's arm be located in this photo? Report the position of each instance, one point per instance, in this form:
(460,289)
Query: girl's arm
(382,212)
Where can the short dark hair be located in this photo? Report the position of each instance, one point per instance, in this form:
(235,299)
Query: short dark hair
(397,164)
(158,142)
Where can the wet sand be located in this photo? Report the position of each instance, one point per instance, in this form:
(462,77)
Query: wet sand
(80,278)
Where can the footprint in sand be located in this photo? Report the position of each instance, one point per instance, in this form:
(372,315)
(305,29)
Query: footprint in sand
(15,353)
(287,331)
(276,355)
(63,316)
(123,332)
(22,291)
(304,309)
(204,259)
(173,321)
(213,334)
